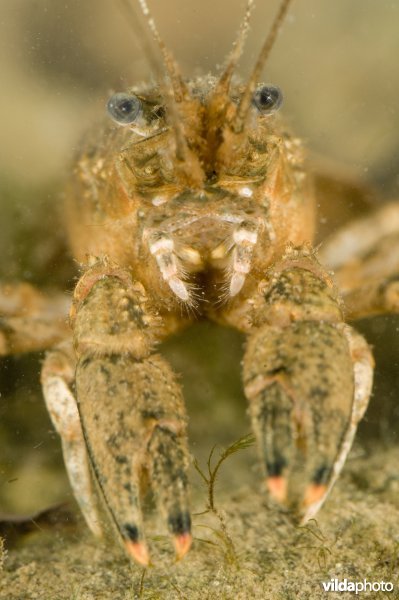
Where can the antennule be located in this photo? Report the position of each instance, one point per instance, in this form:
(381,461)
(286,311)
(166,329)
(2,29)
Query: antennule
(239,120)
(171,66)
(171,90)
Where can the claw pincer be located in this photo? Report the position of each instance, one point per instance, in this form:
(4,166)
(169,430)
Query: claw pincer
(308,379)
(131,410)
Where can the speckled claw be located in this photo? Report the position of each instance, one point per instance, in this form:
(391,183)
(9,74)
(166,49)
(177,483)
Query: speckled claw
(170,482)
(132,414)
(305,406)
(127,441)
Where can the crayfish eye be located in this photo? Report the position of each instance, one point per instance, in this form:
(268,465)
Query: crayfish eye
(267,99)
(124,108)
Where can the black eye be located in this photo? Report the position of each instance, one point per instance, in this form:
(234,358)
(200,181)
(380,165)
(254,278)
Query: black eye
(268,99)
(124,108)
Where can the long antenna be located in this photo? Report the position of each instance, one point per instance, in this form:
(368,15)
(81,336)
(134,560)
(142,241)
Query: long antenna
(141,35)
(239,120)
(235,54)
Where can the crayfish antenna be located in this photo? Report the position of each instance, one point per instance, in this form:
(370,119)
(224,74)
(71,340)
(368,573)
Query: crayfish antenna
(173,88)
(245,103)
(225,79)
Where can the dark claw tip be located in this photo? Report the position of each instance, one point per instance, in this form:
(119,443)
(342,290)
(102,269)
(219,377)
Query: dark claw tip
(275,468)
(134,546)
(179,523)
(130,532)
(322,475)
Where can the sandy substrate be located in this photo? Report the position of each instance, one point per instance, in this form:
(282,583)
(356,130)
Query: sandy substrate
(355,537)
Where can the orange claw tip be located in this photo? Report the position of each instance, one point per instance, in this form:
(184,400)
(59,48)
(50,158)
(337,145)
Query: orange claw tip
(277,487)
(182,543)
(139,551)
(314,494)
